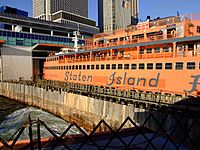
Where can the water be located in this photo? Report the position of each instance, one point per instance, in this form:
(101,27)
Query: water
(16,114)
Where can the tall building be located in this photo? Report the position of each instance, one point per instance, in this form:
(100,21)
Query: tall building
(43,9)
(116,14)
(69,12)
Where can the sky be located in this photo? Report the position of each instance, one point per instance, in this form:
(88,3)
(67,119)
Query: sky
(154,8)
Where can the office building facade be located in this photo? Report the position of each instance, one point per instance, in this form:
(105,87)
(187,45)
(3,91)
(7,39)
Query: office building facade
(43,9)
(69,12)
(21,33)
(116,14)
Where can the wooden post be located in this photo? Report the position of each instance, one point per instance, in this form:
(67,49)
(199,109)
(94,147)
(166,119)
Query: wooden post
(38,134)
(138,51)
(111,54)
(174,49)
(90,55)
(30,133)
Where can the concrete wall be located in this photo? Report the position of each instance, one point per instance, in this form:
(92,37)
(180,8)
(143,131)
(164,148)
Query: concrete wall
(85,111)
(16,62)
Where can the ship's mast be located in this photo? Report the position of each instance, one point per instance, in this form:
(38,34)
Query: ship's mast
(75,39)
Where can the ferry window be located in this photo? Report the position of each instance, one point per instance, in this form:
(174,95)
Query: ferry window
(66,67)
(191,65)
(149,50)
(84,67)
(126,66)
(73,67)
(107,66)
(121,53)
(141,66)
(141,51)
(179,66)
(114,66)
(133,66)
(157,50)
(150,66)
(59,67)
(80,67)
(76,67)
(119,66)
(92,67)
(97,66)
(88,66)
(166,49)
(70,67)
(168,66)
(158,65)
(198,29)
(115,52)
(102,66)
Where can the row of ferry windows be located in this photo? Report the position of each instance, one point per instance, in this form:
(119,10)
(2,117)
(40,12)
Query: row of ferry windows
(149,66)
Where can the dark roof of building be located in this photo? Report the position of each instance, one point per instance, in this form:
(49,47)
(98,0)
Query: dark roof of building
(33,22)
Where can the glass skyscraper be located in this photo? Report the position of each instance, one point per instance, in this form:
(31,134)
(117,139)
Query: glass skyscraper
(116,14)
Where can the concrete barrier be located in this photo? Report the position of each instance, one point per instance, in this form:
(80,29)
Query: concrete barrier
(85,111)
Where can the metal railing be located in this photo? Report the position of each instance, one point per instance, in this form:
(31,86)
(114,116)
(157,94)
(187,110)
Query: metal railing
(163,129)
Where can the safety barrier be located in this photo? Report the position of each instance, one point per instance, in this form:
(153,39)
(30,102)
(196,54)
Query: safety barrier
(181,133)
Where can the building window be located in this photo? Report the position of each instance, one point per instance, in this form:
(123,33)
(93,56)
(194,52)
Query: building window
(179,66)
(168,66)
(76,67)
(191,65)
(133,66)
(119,66)
(126,66)
(114,66)
(141,66)
(84,67)
(150,66)
(67,67)
(70,67)
(73,67)
(158,65)
(80,67)
(102,66)
(107,66)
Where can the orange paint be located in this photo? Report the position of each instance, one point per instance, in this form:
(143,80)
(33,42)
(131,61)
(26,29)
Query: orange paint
(170,67)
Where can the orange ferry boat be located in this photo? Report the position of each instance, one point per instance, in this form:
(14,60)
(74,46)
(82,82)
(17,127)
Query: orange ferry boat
(159,56)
